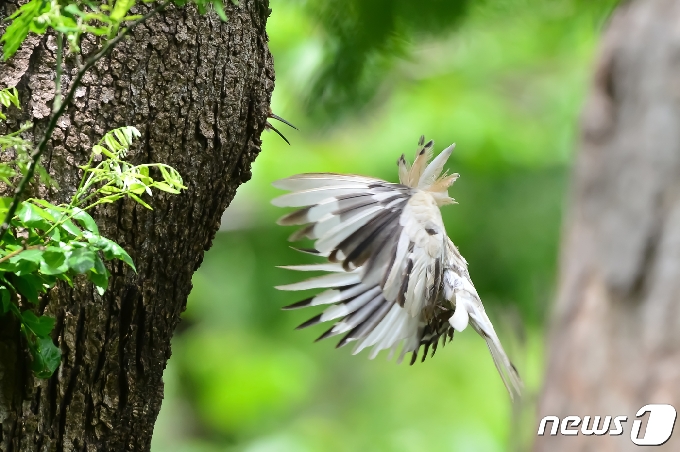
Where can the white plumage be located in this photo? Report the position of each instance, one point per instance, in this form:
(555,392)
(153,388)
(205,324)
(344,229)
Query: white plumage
(395,276)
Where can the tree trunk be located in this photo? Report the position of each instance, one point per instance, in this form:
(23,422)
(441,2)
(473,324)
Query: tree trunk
(615,340)
(198,90)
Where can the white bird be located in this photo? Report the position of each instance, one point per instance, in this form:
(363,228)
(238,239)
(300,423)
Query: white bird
(394,276)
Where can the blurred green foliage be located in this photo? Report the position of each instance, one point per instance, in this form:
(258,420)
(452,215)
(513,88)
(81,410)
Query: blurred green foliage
(505,81)
(362,39)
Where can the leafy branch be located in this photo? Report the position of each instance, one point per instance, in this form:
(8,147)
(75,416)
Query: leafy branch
(42,243)
(58,111)
(47,243)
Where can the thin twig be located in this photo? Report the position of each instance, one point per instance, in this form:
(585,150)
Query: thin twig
(37,153)
(15,252)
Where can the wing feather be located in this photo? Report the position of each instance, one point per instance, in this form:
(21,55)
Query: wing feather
(385,247)
(316,195)
(386,251)
(317,180)
(365,326)
(329,280)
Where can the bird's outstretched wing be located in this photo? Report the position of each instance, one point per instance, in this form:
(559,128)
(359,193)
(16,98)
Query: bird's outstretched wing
(385,246)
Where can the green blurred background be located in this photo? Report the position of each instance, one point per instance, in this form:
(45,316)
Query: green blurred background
(363,80)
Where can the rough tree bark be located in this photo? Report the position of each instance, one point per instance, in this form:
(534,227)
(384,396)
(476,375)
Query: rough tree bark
(615,342)
(199,91)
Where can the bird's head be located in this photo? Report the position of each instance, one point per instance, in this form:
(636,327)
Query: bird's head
(428,177)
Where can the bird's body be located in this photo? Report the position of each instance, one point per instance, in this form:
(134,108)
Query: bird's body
(394,275)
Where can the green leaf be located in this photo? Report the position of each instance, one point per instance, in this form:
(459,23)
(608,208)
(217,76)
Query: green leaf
(121,8)
(11,243)
(100,275)
(219,9)
(137,189)
(6,172)
(112,144)
(40,326)
(101,282)
(4,205)
(97,149)
(10,96)
(68,225)
(53,261)
(171,176)
(22,23)
(29,286)
(15,98)
(65,277)
(5,299)
(51,208)
(34,217)
(120,138)
(57,213)
(112,250)
(99,266)
(110,198)
(54,235)
(139,200)
(81,260)
(46,357)
(34,255)
(19,266)
(110,189)
(85,220)
(71,228)
(165,187)
(53,256)
(72,8)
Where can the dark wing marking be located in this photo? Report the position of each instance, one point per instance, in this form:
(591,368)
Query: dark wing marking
(385,240)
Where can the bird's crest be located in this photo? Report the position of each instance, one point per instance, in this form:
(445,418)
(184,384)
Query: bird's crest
(428,177)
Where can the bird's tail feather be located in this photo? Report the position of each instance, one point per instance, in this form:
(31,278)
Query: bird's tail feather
(506,369)
(508,372)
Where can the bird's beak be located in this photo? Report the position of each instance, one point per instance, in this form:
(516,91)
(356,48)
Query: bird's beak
(269,126)
(279,118)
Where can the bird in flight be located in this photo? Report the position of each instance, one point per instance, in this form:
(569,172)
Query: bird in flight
(394,276)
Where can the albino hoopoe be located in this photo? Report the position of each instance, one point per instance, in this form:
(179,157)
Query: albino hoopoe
(395,276)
